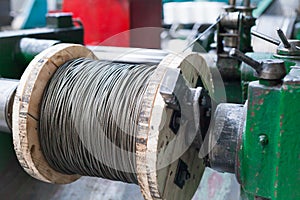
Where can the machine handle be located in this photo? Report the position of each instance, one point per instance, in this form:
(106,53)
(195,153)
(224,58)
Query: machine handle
(269,69)
(235,53)
(283,38)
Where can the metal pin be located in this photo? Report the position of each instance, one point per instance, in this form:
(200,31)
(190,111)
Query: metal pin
(283,38)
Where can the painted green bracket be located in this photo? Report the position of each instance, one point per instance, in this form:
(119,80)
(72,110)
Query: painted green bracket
(269,154)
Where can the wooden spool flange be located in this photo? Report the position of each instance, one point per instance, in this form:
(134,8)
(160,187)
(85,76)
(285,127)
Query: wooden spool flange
(153,138)
(159,150)
(26,110)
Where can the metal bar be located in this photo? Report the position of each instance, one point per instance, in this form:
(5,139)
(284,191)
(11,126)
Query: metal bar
(7,93)
(265,37)
(283,38)
(128,55)
(31,47)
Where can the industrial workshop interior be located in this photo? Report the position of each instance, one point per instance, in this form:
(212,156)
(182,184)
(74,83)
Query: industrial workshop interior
(150,99)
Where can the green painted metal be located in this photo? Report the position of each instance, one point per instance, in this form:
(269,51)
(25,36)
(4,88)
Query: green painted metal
(233,91)
(247,72)
(269,154)
(287,174)
(256,160)
(297,31)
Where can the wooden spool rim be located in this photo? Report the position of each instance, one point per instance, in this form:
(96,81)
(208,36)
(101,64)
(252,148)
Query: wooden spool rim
(26,110)
(152,184)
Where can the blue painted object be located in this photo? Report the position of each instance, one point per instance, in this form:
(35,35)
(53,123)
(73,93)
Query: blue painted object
(34,15)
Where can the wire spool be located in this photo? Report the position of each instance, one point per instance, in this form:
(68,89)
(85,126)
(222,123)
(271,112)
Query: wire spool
(159,158)
(89,118)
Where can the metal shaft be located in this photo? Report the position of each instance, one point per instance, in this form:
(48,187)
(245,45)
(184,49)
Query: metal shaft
(30,47)
(265,37)
(7,93)
(129,55)
(226,129)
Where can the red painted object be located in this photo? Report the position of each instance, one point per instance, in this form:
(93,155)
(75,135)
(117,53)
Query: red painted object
(103,19)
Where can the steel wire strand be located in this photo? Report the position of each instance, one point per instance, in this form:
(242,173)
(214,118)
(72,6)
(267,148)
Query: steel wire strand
(89,116)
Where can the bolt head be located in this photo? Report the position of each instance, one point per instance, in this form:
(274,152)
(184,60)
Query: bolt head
(263,139)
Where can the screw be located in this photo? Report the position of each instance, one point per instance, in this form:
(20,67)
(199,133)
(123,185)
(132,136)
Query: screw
(263,140)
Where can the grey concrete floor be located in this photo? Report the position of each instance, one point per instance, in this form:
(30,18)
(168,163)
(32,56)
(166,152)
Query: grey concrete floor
(16,184)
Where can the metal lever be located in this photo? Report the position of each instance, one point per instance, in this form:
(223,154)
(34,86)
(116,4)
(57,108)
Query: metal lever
(269,69)
(265,37)
(283,38)
(235,53)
